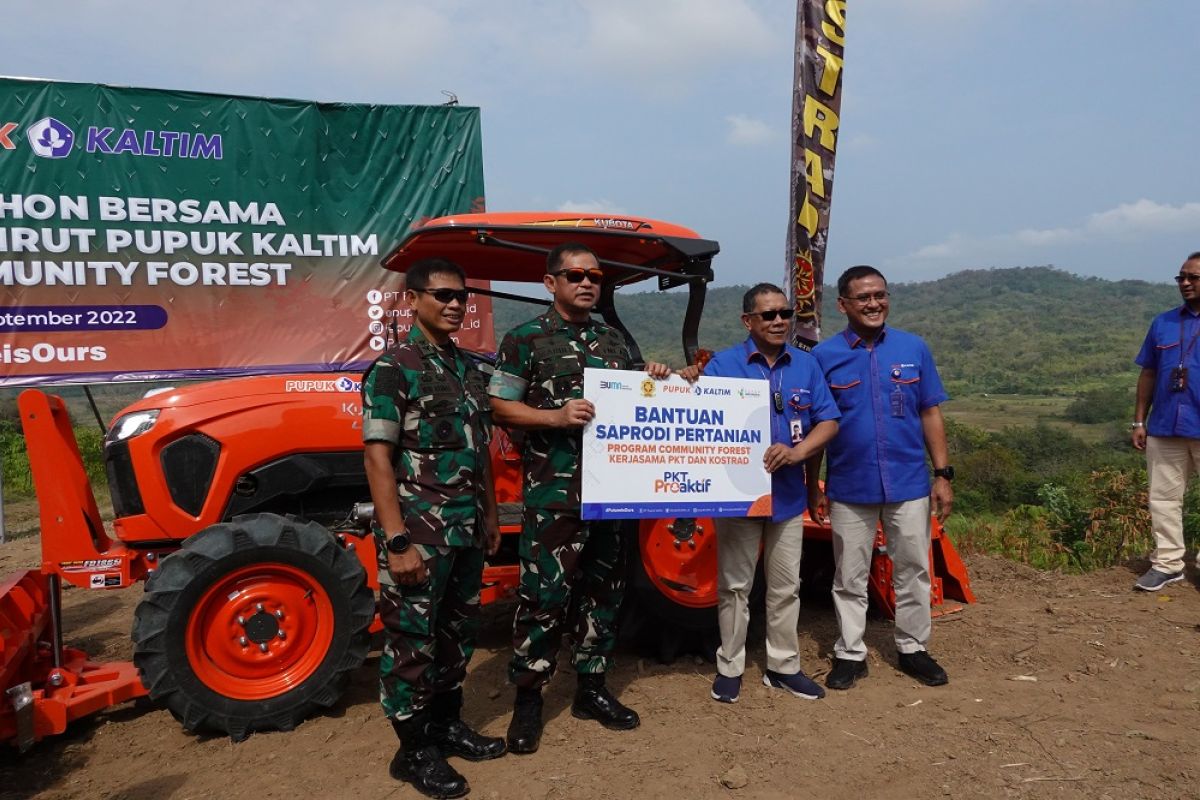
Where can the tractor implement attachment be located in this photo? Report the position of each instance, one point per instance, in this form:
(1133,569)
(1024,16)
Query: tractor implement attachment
(47,684)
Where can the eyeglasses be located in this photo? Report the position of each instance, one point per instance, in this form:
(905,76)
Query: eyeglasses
(864,299)
(769,316)
(1190,277)
(577,274)
(445,296)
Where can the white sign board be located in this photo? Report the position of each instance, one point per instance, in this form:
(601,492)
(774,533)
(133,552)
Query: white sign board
(667,448)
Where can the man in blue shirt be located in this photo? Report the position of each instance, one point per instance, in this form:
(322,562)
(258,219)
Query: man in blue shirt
(1169,388)
(888,390)
(803,419)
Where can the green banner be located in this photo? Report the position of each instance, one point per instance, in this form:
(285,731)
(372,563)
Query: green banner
(149,234)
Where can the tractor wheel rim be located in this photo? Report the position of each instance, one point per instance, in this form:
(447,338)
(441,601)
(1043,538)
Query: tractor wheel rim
(684,574)
(259,631)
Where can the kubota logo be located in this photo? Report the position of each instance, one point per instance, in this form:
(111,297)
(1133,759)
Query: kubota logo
(49,138)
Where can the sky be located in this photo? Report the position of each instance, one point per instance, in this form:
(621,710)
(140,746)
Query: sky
(974,133)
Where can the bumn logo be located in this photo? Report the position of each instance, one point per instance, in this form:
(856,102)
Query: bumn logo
(49,138)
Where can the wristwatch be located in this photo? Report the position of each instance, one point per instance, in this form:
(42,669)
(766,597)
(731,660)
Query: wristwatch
(946,472)
(1135,424)
(398,543)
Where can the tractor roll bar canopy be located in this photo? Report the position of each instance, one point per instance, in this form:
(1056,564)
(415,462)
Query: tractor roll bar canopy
(513,246)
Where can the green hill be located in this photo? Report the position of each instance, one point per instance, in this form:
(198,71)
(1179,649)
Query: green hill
(1026,330)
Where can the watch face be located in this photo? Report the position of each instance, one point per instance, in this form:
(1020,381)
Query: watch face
(398,543)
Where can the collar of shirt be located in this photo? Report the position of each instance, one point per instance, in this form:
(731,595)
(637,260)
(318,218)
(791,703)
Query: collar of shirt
(1185,310)
(785,357)
(447,353)
(853,340)
(553,321)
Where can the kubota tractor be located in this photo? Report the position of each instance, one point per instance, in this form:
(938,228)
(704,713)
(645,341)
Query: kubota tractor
(244,506)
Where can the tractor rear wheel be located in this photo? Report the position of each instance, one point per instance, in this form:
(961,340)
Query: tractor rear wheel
(675,571)
(253,625)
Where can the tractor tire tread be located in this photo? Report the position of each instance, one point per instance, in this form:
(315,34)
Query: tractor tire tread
(182,578)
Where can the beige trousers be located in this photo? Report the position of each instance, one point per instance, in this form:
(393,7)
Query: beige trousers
(738,541)
(1170,460)
(907,528)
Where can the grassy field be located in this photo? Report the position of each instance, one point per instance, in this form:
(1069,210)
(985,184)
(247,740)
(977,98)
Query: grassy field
(994,412)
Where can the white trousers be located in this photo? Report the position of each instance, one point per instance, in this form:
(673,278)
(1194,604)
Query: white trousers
(907,528)
(738,542)
(1170,461)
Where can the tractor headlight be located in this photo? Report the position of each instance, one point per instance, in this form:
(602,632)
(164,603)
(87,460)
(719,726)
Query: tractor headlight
(131,425)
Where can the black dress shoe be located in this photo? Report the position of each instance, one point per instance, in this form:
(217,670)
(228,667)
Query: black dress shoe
(454,738)
(845,672)
(426,769)
(525,729)
(593,701)
(920,665)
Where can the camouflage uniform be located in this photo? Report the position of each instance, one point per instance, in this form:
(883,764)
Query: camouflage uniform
(571,575)
(432,405)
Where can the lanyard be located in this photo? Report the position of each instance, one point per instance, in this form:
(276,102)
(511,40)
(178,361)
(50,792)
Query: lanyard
(776,388)
(1183,354)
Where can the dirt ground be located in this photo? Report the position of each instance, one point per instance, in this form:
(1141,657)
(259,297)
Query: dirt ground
(1060,687)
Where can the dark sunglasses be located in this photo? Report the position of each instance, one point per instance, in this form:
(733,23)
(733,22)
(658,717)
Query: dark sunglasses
(769,316)
(577,274)
(1190,277)
(445,296)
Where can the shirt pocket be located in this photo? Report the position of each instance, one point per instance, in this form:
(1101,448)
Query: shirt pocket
(440,425)
(905,375)
(565,378)
(847,388)
(798,407)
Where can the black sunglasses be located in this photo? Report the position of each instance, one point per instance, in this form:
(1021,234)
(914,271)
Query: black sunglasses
(446,295)
(769,316)
(576,275)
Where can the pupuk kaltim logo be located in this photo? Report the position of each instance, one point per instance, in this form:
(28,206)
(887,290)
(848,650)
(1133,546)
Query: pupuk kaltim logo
(6,131)
(50,138)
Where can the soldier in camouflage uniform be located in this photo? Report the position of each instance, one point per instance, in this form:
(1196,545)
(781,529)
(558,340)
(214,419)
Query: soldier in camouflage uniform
(426,427)
(571,576)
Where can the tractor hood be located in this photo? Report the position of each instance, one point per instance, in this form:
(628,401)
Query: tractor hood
(336,386)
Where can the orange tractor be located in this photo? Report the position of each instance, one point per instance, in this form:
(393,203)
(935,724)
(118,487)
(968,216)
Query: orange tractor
(243,505)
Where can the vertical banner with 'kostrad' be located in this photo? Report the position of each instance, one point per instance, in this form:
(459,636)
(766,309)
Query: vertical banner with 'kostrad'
(149,234)
(816,103)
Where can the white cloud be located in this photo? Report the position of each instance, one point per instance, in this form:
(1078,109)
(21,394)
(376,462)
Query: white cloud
(591,207)
(748,131)
(1128,221)
(1146,216)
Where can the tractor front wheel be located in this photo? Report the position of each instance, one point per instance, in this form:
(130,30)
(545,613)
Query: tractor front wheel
(253,625)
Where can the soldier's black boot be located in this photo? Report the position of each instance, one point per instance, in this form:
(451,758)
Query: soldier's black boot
(451,734)
(594,701)
(421,763)
(525,729)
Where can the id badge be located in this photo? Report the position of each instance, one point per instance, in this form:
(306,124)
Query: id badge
(897,402)
(797,429)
